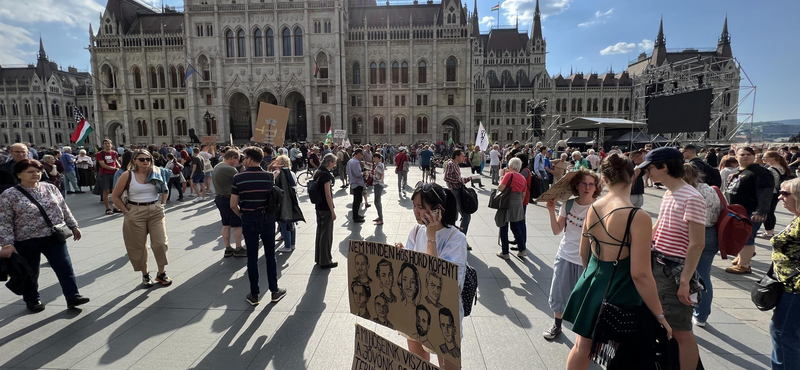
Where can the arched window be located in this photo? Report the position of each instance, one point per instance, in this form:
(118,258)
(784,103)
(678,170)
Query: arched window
(558,105)
(42,137)
(422,72)
(628,104)
(240,44)
(395,73)
(508,106)
(173,76)
(324,123)
(373,73)
(287,42)
(213,126)
(382,72)
(270,43)
(513,106)
(298,41)
(505,78)
(137,78)
(322,64)
(162,83)
(399,125)
(356,74)
(59,138)
(27,108)
(161,127)
(182,76)
(580,105)
(353,126)
(141,128)
(478,106)
(180,127)
(594,105)
(451,69)
(574,105)
(422,125)
(5,138)
(619,105)
(229,44)
(258,43)
(39,108)
(404,73)
(377,125)
(605,104)
(611,104)
(153,78)
(491,106)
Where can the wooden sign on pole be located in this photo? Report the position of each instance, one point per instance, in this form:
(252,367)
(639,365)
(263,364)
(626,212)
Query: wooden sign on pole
(271,124)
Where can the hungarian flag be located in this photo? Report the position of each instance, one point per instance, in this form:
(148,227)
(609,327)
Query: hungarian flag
(82,130)
(496,7)
(329,136)
(316,69)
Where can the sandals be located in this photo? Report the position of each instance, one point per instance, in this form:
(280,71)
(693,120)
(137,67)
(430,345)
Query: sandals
(378,222)
(109,212)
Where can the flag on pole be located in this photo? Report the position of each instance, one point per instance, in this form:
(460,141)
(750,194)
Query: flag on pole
(329,136)
(316,69)
(496,7)
(83,128)
(189,72)
(482,140)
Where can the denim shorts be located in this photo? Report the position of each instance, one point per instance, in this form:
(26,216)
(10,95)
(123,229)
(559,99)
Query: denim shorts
(198,178)
(752,240)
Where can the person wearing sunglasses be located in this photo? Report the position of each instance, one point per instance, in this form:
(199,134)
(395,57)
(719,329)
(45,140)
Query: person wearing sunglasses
(147,190)
(435,234)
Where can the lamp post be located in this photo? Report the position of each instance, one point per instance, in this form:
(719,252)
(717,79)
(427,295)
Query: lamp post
(207,118)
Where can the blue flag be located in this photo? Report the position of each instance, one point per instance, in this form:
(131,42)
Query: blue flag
(189,72)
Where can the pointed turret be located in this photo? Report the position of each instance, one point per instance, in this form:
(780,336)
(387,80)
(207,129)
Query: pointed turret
(43,67)
(659,47)
(537,23)
(724,43)
(476,26)
(42,54)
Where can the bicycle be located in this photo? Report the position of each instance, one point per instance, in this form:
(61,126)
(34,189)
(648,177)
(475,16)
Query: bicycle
(304,176)
(435,162)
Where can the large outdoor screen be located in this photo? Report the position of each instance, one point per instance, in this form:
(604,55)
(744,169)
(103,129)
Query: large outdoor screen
(685,112)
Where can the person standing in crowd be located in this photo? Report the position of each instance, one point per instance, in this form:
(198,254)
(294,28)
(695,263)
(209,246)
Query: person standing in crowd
(559,167)
(514,215)
(413,153)
(568,266)
(68,161)
(250,192)
(711,158)
(637,188)
(186,162)
(752,187)
(51,173)
(539,169)
(494,164)
(794,162)
(425,162)
(610,223)
(146,187)
(290,212)
(455,182)
(435,234)
(25,231)
(357,185)
(709,174)
(85,169)
(294,152)
(341,162)
(579,162)
(730,166)
(175,176)
(779,170)
(377,173)
(108,160)
(785,327)
(326,214)
(313,158)
(197,176)
(207,152)
(222,176)
(692,177)
(402,163)
(476,161)
(593,159)
(678,243)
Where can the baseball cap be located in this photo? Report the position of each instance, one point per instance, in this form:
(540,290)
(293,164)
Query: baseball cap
(660,154)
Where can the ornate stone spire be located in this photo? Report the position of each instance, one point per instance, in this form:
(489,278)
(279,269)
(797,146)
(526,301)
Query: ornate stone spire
(660,47)
(660,39)
(724,42)
(42,54)
(537,23)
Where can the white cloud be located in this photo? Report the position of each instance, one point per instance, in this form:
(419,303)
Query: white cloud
(69,12)
(599,14)
(599,17)
(12,41)
(586,24)
(646,45)
(524,10)
(619,48)
(488,21)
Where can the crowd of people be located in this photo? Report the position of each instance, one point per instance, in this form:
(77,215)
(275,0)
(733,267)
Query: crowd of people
(609,254)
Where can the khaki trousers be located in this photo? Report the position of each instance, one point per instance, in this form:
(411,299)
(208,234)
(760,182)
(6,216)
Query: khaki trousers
(140,221)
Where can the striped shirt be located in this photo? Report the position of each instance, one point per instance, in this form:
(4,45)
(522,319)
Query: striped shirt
(677,210)
(452,175)
(253,187)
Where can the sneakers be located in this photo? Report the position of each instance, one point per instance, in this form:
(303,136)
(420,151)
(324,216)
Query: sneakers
(285,249)
(228,251)
(240,252)
(504,256)
(739,270)
(252,299)
(277,296)
(37,306)
(523,253)
(76,301)
(329,266)
(552,332)
(359,220)
(164,279)
(147,282)
(698,323)
(197,200)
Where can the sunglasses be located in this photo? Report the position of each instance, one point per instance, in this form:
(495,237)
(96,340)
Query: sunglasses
(145,159)
(427,188)
(784,193)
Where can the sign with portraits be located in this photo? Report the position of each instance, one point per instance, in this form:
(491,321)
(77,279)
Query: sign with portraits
(560,191)
(375,352)
(415,293)
(271,124)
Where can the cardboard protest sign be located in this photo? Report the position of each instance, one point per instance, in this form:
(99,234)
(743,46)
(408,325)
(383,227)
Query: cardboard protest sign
(271,124)
(339,134)
(413,292)
(212,140)
(560,191)
(375,352)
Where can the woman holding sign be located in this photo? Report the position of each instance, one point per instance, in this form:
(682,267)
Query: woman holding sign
(436,212)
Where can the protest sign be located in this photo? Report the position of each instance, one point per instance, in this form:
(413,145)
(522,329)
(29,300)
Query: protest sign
(375,352)
(211,140)
(339,134)
(271,124)
(415,293)
(560,191)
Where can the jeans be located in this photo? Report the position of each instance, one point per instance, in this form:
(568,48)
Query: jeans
(71,181)
(377,201)
(769,223)
(58,257)
(703,309)
(358,196)
(785,331)
(289,236)
(257,225)
(402,181)
(176,182)
(516,229)
(465,217)
(494,171)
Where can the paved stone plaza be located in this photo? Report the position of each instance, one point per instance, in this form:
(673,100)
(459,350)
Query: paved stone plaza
(202,321)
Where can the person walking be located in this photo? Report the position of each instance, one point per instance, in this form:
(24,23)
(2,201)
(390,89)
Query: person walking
(784,326)
(68,161)
(377,174)
(250,192)
(175,177)
(514,214)
(290,212)
(146,187)
(476,161)
(568,266)
(197,176)
(85,170)
(494,164)
(28,213)
(341,162)
(425,162)
(357,185)
(455,182)
(779,170)
(637,189)
(222,176)
(618,238)
(402,163)
(325,213)
(108,159)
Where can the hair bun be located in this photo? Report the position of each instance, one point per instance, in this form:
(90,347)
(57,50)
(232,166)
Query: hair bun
(617,168)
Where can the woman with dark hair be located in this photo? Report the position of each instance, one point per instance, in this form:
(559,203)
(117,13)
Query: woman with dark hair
(780,171)
(752,187)
(435,211)
(186,161)
(28,232)
(408,282)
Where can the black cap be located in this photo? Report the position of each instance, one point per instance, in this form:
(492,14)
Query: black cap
(660,155)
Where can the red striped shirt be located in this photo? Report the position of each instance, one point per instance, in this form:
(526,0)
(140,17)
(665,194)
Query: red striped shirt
(677,210)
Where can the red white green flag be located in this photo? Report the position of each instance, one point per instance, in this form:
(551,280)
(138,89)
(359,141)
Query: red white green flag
(82,130)
(496,7)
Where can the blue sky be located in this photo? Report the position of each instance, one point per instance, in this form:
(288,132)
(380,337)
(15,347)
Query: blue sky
(587,35)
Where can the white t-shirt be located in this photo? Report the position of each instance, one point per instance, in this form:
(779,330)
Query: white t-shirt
(207,161)
(570,247)
(594,161)
(494,155)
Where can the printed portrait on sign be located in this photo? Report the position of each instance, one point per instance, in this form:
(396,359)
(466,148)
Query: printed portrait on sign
(449,331)
(433,282)
(408,282)
(362,293)
(385,274)
(423,322)
(382,312)
(362,268)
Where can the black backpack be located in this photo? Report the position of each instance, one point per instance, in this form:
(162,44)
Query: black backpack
(314,191)
(469,200)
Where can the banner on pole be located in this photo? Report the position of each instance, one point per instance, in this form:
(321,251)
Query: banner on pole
(482,140)
(271,124)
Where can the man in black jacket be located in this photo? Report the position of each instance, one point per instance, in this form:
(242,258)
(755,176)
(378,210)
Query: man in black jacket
(18,152)
(711,175)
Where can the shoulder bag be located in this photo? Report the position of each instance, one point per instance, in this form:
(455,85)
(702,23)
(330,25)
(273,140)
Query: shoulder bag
(501,200)
(61,231)
(767,291)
